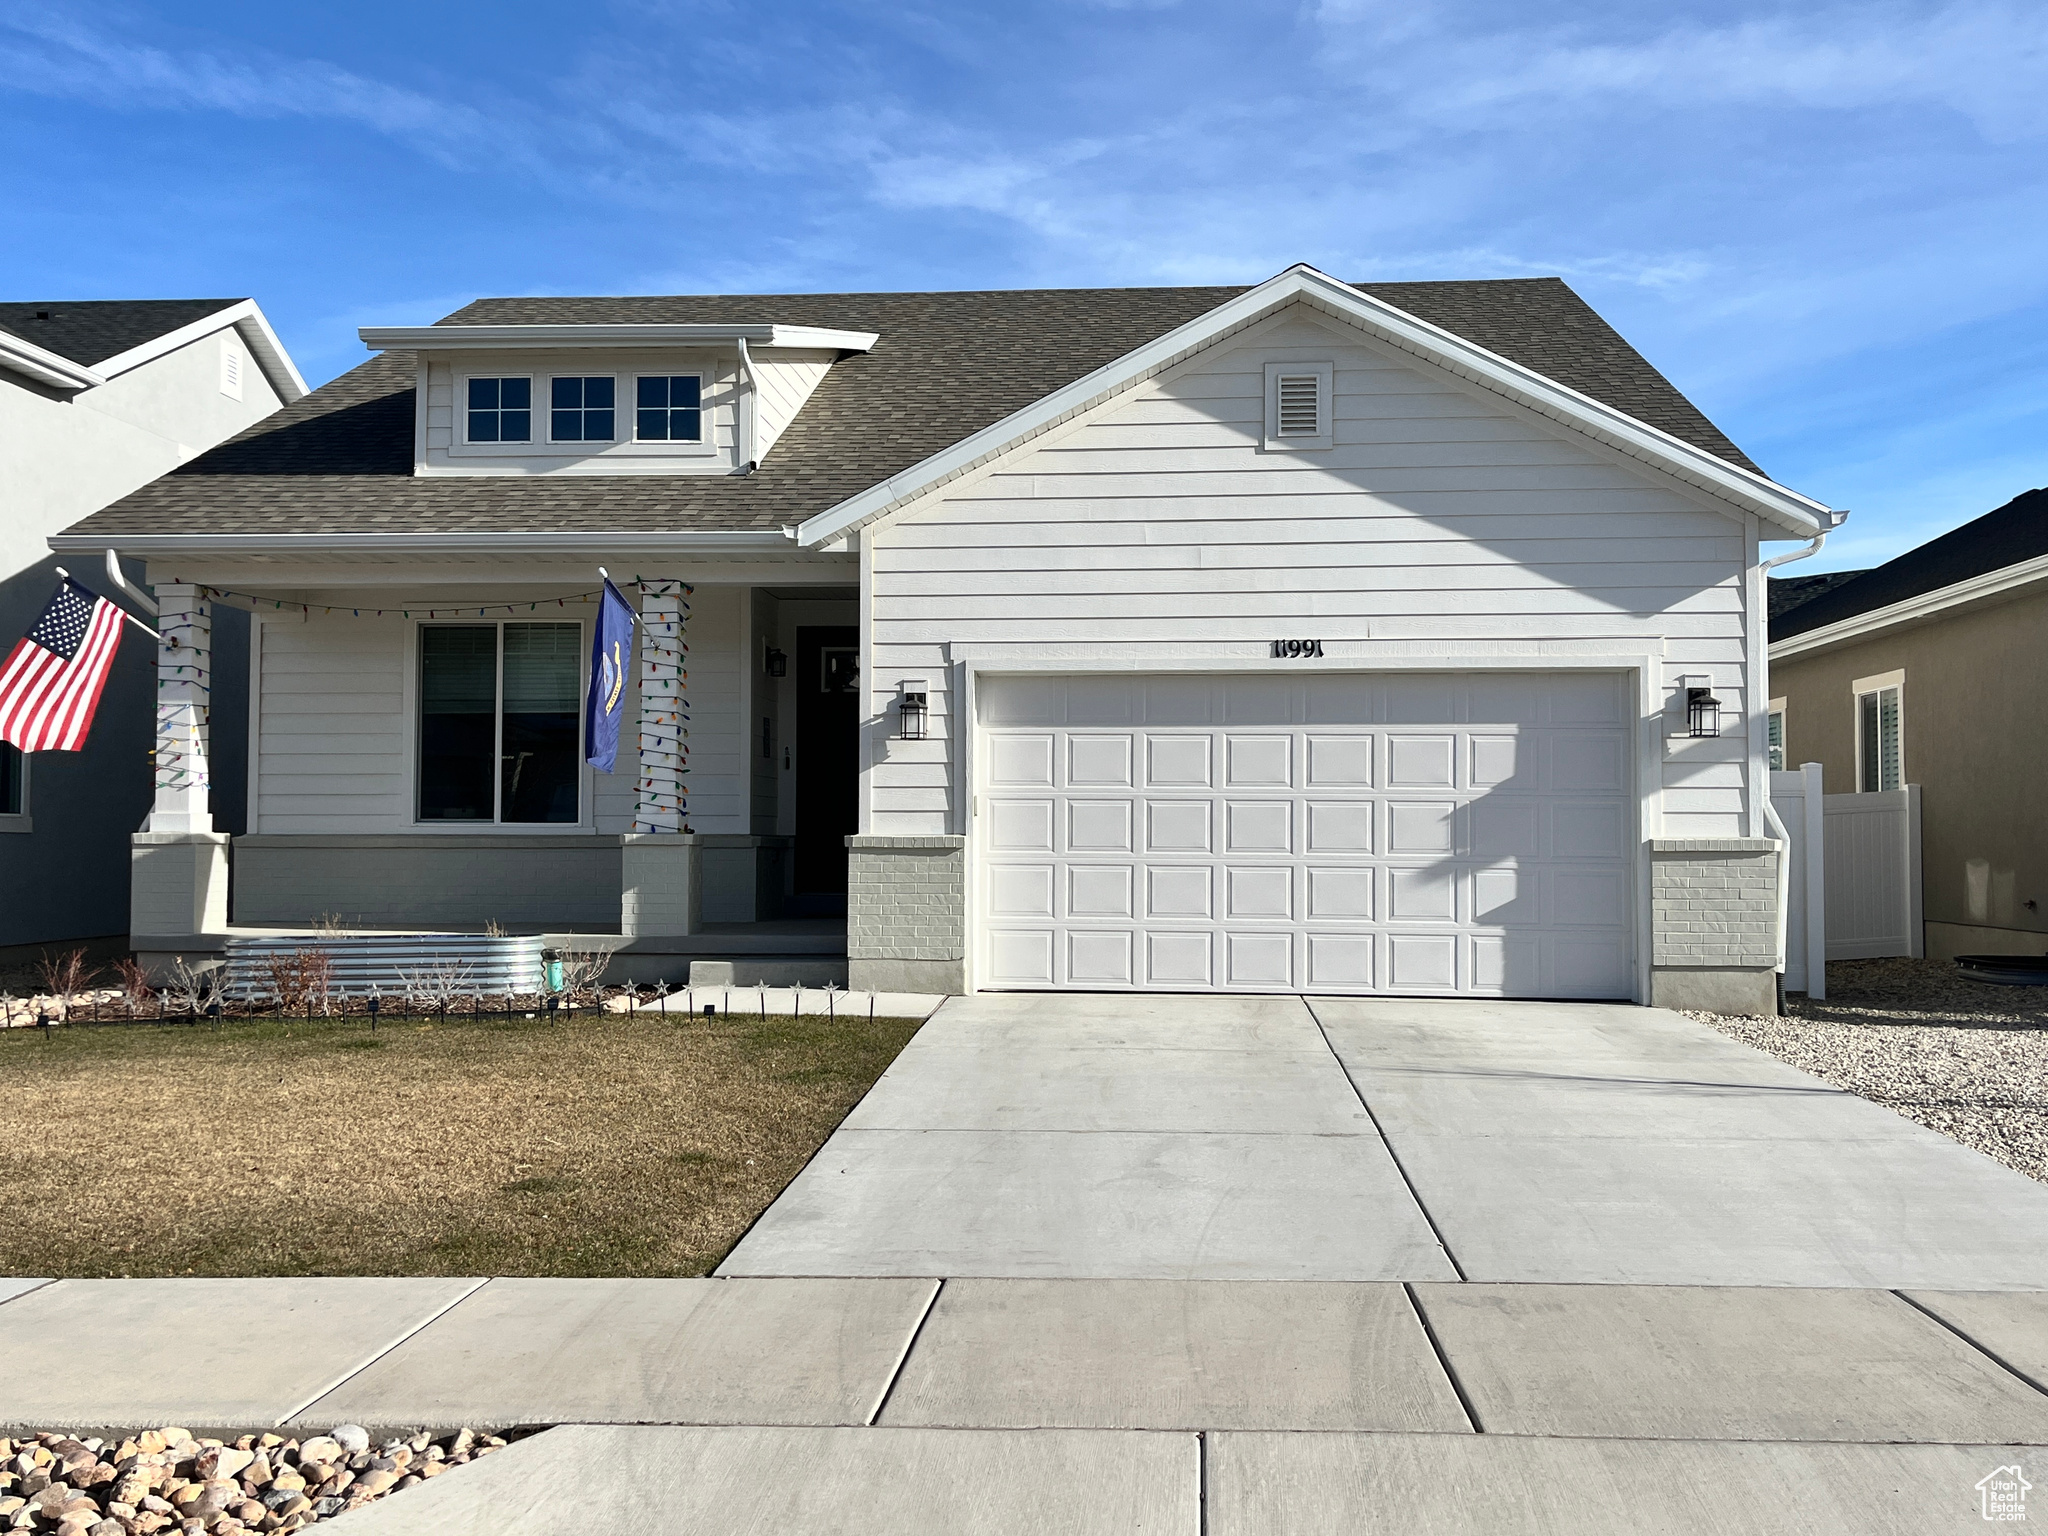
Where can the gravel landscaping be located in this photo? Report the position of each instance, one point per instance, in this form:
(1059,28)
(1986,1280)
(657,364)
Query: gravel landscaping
(166,1480)
(1966,1058)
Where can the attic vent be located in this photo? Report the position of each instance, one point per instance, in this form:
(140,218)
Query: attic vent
(230,368)
(1300,404)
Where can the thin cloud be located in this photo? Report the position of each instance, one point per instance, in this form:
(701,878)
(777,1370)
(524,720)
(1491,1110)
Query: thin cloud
(51,55)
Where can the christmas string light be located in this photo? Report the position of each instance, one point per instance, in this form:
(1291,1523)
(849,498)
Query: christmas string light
(457,611)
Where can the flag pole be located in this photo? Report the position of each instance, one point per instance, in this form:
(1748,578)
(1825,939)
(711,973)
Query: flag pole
(66,575)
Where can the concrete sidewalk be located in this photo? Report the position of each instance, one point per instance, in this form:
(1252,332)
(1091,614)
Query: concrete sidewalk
(1656,1362)
(976,1405)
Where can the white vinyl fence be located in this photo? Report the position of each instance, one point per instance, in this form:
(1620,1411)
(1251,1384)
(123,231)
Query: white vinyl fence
(1867,902)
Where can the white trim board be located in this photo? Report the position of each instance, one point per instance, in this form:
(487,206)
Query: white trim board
(1739,489)
(1985,589)
(710,542)
(45,366)
(462,338)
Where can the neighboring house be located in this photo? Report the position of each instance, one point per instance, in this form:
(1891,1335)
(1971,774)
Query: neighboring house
(1789,592)
(1918,672)
(96,399)
(1301,637)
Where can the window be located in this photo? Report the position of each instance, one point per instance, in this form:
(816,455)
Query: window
(1880,754)
(500,733)
(1775,729)
(669,409)
(13,777)
(1298,405)
(581,410)
(501,410)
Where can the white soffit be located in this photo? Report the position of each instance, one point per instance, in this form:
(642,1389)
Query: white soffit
(484,338)
(1974,591)
(1742,489)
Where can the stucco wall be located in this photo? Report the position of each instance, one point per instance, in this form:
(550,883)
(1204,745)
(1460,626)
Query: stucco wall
(62,457)
(1973,734)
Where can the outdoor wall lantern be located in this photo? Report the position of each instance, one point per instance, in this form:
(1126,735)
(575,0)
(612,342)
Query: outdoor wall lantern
(910,708)
(776,662)
(1702,711)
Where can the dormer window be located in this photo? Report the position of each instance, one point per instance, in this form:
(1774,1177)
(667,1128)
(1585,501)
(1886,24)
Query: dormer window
(669,408)
(501,410)
(581,410)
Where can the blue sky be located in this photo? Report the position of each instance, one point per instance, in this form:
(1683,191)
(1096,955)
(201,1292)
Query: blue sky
(1828,224)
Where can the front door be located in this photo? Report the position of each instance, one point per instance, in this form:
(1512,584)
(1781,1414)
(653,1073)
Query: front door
(828,762)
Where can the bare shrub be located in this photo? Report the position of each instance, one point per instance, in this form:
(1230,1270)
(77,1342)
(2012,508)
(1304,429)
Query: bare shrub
(134,982)
(580,970)
(303,979)
(431,988)
(329,925)
(194,990)
(65,976)
(493,929)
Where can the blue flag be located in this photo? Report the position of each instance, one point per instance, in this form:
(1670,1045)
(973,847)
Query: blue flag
(611,653)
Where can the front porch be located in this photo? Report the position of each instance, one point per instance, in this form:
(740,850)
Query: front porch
(418,763)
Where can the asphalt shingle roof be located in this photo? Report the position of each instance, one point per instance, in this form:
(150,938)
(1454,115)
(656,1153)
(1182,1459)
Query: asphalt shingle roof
(1789,592)
(92,330)
(947,365)
(2016,531)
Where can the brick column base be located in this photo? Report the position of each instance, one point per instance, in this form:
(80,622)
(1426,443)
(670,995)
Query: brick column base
(177,885)
(906,914)
(661,884)
(1714,924)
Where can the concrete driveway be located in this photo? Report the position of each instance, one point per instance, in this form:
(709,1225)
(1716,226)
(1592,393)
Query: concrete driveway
(1282,1138)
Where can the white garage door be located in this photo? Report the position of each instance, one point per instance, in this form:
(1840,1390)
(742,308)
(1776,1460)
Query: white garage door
(1438,833)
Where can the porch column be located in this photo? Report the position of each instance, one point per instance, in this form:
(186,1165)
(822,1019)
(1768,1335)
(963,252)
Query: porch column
(661,863)
(661,803)
(178,864)
(184,691)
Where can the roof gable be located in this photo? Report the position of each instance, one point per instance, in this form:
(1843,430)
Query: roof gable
(1738,486)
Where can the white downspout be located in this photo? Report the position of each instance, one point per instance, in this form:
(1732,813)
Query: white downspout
(744,412)
(1776,826)
(121,583)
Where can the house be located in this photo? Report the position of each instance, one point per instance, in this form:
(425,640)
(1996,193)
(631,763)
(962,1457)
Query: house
(96,399)
(1918,671)
(1392,637)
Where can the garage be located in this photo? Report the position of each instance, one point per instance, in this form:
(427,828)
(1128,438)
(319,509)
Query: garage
(1413,833)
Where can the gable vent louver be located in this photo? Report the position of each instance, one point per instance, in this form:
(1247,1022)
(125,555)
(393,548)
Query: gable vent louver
(1300,405)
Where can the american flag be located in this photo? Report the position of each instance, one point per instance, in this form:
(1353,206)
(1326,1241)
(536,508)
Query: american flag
(50,684)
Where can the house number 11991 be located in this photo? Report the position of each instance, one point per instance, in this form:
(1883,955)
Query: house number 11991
(1296,648)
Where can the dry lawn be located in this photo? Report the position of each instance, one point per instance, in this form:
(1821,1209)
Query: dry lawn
(595,1146)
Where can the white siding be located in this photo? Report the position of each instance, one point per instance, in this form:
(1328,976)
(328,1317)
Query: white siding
(1438,516)
(717,734)
(334,738)
(331,755)
(785,378)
